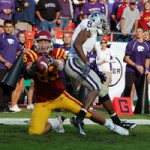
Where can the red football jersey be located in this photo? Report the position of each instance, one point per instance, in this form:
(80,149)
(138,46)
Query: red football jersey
(48,85)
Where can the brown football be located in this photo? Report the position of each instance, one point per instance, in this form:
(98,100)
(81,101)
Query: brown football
(42,64)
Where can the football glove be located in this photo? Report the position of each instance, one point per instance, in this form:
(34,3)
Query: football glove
(50,59)
(85,70)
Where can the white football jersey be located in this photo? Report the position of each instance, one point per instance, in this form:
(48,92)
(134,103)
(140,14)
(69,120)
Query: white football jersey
(90,42)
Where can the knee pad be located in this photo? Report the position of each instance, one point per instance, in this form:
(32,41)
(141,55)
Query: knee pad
(103,99)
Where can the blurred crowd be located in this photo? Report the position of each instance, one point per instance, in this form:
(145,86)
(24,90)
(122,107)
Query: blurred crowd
(27,16)
(124,16)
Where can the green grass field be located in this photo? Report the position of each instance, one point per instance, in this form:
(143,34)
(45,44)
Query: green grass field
(15,137)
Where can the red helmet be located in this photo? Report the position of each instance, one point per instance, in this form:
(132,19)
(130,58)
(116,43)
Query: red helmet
(43,35)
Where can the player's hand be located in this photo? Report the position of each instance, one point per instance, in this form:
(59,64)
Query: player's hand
(85,70)
(50,59)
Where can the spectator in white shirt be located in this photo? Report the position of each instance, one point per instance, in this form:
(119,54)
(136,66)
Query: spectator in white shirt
(104,59)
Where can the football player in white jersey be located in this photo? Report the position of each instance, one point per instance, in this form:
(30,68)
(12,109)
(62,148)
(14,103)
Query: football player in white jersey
(77,67)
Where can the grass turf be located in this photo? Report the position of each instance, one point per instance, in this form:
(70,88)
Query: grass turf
(27,113)
(97,138)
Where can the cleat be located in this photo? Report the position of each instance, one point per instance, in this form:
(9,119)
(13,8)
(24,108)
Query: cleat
(78,125)
(127,125)
(117,129)
(120,130)
(60,128)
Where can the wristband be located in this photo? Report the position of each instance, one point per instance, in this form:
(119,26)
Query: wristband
(4,61)
(135,65)
(147,69)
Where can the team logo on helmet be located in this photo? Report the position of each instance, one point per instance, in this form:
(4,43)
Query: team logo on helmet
(100,22)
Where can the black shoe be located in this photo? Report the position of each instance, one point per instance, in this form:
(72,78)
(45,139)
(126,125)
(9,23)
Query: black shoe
(127,125)
(78,125)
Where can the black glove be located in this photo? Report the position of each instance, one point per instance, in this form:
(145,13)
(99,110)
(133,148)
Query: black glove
(85,70)
(50,59)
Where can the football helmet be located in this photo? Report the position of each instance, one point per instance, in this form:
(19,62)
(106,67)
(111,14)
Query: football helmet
(43,42)
(100,22)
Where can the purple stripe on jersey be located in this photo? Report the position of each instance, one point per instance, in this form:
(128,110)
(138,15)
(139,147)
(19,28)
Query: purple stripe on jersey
(89,79)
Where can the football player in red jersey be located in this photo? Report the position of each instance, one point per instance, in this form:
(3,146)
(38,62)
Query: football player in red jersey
(49,92)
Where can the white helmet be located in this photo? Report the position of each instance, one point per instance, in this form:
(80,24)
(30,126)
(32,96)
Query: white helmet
(100,22)
(46,36)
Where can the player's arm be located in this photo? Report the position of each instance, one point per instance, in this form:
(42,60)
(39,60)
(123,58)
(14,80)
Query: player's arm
(79,41)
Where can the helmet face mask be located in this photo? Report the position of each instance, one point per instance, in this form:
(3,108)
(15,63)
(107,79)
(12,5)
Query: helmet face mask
(43,42)
(100,22)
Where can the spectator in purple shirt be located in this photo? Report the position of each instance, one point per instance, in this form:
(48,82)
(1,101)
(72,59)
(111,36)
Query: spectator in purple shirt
(114,20)
(65,13)
(91,7)
(7,8)
(9,49)
(78,10)
(137,56)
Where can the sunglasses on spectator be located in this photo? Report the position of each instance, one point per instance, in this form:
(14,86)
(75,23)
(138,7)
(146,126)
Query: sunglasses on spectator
(103,42)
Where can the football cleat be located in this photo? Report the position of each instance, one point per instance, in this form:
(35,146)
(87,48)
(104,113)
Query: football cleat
(78,125)
(127,125)
(60,128)
(120,130)
(117,129)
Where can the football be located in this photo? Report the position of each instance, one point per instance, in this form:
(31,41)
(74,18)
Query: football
(42,64)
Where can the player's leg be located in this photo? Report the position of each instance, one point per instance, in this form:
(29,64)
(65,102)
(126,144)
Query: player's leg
(107,104)
(73,69)
(39,123)
(71,104)
(93,82)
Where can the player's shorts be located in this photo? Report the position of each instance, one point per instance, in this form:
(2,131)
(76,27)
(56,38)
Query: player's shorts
(42,111)
(73,69)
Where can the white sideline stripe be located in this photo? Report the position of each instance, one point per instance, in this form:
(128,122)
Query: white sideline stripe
(24,121)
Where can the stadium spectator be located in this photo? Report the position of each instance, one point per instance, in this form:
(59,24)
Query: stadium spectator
(121,8)
(140,5)
(129,22)
(7,8)
(66,41)
(104,7)
(114,12)
(49,91)
(77,67)
(48,12)
(24,16)
(91,7)
(137,56)
(105,58)
(30,95)
(66,13)
(1,29)
(20,84)
(147,36)
(9,49)
(144,21)
(78,10)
